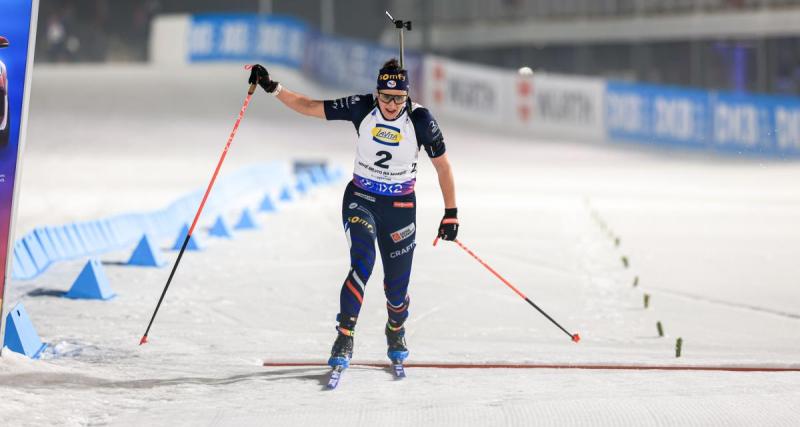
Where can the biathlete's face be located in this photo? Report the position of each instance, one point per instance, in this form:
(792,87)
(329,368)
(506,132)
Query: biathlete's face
(391,102)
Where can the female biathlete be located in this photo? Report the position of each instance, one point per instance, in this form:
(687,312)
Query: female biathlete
(379,203)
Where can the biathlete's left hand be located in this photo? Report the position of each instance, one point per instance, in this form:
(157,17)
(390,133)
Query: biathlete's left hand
(448,228)
(259,75)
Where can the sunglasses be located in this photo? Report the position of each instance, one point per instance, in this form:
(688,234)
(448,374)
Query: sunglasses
(397,99)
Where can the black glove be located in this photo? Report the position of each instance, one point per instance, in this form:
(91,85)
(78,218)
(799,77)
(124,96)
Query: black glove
(260,75)
(448,228)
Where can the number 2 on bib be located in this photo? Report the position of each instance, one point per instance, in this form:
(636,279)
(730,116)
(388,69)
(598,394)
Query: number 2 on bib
(382,162)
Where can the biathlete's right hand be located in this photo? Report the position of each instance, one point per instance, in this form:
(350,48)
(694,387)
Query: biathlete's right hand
(260,75)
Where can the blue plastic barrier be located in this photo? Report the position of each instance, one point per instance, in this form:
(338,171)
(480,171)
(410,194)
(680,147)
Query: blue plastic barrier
(27,267)
(65,246)
(286,195)
(266,204)
(91,283)
(246,221)
(193,245)
(77,241)
(21,336)
(58,245)
(35,251)
(146,254)
(220,229)
(38,256)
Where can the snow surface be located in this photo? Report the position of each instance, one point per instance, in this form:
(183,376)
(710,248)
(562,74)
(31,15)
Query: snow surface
(715,241)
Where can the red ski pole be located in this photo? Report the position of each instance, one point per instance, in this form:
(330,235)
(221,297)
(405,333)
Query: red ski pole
(200,209)
(575,337)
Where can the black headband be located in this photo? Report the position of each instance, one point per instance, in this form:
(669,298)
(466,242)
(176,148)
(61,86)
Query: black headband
(392,79)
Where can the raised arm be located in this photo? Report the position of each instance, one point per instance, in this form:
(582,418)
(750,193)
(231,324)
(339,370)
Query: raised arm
(297,102)
(300,103)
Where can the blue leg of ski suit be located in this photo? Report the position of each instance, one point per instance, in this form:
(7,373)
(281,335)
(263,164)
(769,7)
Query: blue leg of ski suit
(391,220)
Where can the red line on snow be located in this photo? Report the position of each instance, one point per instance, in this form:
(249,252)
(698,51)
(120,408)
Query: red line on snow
(545,366)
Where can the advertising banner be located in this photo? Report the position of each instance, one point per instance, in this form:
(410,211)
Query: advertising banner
(561,106)
(541,104)
(657,115)
(466,91)
(754,123)
(17,37)
(741,122)
(721,121)
(786,122)
(246,37)
(353,65)
(550,105)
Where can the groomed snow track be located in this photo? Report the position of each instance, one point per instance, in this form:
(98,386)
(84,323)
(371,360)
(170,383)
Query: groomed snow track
(723,229)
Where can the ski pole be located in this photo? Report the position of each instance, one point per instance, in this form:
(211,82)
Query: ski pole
(250,92)
(575,337)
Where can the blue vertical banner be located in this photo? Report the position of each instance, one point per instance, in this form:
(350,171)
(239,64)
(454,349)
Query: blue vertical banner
(17,39)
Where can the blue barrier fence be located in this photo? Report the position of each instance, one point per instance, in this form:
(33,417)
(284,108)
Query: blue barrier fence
(40,248)
(740,123)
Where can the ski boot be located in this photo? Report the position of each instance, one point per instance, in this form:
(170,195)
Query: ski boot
(342,350)
(396,343)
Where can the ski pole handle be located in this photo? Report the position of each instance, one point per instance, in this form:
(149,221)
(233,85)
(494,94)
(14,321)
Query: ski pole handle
(252,89)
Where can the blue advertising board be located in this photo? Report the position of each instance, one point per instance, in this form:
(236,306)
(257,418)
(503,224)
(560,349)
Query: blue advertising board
(657,115)
(786,124)
(720,121)
(354,65)
(336,61)
(752,123)
(246,38)
(17,36)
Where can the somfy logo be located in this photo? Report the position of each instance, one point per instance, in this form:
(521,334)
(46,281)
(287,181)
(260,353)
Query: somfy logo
(358,220)
(387,76)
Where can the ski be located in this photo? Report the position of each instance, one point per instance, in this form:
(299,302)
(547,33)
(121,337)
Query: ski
(398,370)
(335,376)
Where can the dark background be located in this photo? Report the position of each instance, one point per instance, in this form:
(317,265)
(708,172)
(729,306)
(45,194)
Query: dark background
(118,31)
